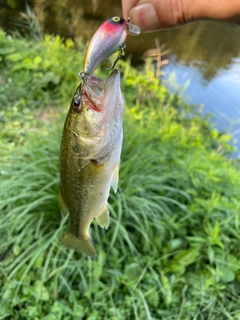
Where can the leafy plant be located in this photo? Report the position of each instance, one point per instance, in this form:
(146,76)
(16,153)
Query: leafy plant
(27,25)
(172,248)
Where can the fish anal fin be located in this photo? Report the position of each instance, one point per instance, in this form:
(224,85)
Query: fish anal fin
(62,206)
(103,218)
(115,178)
(84,245)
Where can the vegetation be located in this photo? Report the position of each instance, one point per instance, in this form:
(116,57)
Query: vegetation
(172,248)
(192,45)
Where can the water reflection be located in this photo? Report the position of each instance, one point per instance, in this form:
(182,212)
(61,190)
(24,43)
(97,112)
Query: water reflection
(220,96)
(207,53)
(211,64)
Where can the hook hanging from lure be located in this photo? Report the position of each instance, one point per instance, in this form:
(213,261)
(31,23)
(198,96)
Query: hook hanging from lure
(109,37)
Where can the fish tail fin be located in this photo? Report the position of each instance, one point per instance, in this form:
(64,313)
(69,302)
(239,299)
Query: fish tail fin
(85,245)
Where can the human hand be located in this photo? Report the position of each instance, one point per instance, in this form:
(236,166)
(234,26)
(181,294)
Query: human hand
(153,15)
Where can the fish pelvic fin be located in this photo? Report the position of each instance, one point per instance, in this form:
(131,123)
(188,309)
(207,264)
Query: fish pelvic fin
(115,178)
(103,218)
(62,206)
(84,245)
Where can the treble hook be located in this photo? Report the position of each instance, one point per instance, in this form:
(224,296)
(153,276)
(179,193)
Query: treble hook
(120,54)
(83,76)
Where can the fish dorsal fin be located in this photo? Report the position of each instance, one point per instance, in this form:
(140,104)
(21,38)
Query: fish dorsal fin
(103,218)
(115,178)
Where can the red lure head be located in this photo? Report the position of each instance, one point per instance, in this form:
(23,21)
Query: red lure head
(116,21)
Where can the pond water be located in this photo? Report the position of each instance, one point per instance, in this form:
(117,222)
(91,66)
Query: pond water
(206,55)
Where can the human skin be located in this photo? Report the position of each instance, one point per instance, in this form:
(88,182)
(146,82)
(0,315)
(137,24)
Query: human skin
(153,15)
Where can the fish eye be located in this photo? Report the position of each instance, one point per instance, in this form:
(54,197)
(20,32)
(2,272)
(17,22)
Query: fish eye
(116,19)
(76,103)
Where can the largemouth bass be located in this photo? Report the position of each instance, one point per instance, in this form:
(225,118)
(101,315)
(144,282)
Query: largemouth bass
(90,157)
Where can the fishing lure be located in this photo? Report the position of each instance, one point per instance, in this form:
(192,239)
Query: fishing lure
(109,37)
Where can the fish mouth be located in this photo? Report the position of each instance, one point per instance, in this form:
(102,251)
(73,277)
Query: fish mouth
(96,90)
(92,101)
(92,93)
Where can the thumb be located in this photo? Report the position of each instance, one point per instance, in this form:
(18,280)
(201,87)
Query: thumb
(153,15)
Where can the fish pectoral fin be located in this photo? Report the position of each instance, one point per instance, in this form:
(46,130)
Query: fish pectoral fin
(62,206)
(84,245)
(103,218)
(115,178)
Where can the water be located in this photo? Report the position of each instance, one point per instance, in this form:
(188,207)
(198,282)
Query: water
(213,82)
(207,54)
(220,96)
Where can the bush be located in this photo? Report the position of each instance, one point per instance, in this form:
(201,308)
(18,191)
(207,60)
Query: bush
(172,248)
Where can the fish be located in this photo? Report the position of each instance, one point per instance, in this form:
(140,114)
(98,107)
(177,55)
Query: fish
(90,158)
(108,38)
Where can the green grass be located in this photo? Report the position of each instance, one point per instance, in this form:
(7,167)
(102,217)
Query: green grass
(172,248)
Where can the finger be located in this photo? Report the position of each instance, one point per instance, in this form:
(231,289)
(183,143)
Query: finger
(127,5)
(152,15)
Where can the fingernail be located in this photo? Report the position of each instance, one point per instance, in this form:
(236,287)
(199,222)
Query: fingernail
(145,17)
